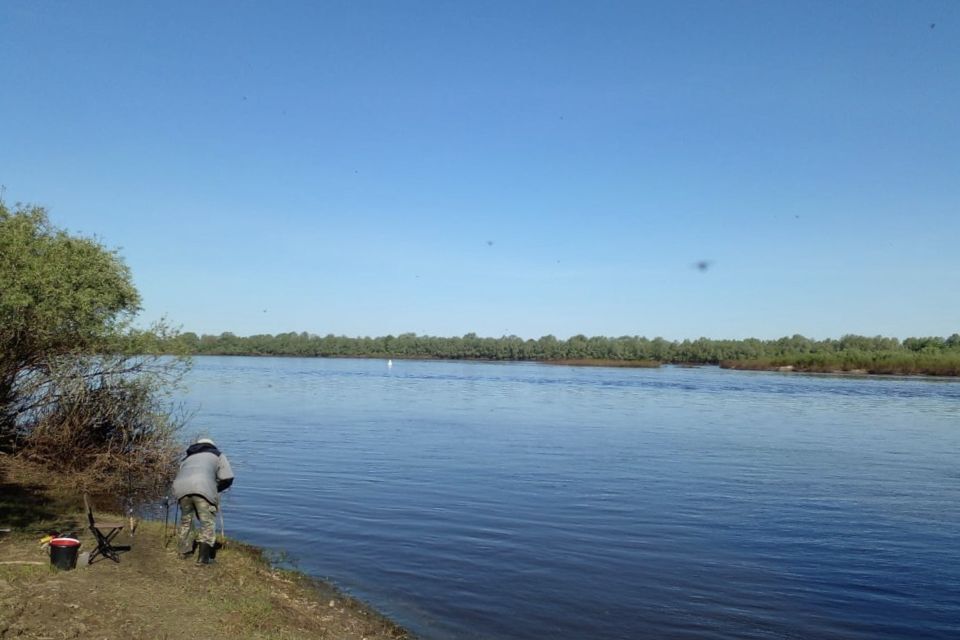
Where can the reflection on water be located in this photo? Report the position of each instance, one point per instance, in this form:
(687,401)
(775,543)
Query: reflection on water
(477,500)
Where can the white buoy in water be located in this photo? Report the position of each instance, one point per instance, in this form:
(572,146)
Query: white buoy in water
(389,363)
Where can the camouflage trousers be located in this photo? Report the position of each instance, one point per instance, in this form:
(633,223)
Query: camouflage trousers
(196,507)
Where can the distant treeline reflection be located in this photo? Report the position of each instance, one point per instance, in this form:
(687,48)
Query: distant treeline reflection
(881,355)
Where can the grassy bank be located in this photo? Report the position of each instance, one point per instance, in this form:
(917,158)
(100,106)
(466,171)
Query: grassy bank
(152,593)
(604,362)
(890,363)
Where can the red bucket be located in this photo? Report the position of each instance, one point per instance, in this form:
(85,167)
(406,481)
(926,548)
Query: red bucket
(63,553)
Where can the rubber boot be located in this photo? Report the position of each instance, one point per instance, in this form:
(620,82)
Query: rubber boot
(206,554)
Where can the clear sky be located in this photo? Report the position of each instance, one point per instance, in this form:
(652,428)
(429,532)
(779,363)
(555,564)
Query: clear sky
(367,168)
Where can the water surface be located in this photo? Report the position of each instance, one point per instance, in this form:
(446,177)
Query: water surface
(478,500)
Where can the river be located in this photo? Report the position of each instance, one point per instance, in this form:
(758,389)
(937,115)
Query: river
(486,500)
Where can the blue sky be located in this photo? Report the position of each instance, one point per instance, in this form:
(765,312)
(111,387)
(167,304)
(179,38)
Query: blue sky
(368,168)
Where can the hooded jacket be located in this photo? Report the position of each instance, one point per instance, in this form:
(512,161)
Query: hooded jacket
(204,472)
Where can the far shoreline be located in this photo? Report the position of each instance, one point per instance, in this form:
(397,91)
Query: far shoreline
(613,364)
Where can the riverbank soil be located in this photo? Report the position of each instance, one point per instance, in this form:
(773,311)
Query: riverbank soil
(152,593)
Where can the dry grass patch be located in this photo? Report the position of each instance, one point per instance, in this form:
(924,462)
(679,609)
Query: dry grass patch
(154,594)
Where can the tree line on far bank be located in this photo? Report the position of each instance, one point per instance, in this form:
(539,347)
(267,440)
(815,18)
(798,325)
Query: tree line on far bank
(878,354)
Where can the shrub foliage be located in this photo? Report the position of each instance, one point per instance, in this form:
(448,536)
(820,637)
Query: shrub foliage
(77,393)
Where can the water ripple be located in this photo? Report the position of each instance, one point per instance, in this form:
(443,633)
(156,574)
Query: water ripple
(475,500)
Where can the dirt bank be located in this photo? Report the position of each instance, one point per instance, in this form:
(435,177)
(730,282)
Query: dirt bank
(152,593)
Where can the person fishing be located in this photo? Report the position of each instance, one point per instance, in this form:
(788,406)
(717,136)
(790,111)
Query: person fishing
(204,473)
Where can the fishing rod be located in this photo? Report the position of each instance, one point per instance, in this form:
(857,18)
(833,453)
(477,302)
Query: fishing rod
(223,530)
(166,520)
